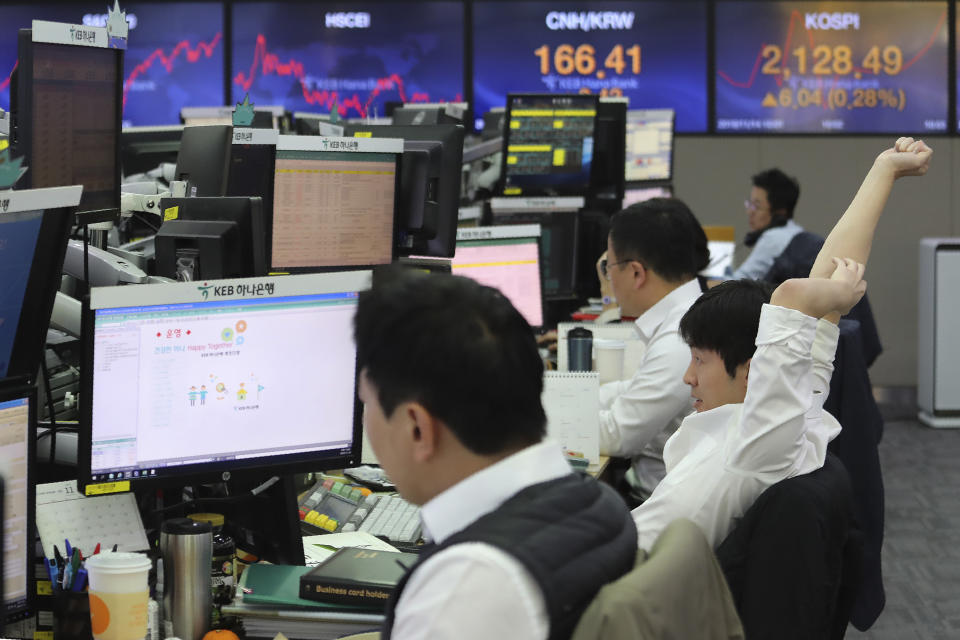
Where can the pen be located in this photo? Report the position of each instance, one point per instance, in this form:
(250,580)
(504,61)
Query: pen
(67,575)
(114,548)
(52,570)
(66,543)
(59,558)
(96,549)
(79,580)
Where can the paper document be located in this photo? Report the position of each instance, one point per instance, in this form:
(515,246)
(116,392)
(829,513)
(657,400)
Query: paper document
(316,549)
(572,403)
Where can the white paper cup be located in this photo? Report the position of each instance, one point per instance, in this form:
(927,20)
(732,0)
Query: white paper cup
(118,595)
(609,359)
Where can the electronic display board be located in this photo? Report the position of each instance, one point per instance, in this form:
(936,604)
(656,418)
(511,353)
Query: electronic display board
(357,56)
(831,67)
(174,55)
(654,53)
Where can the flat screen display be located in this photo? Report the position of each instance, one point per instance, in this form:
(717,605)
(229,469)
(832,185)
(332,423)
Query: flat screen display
(353,56)
(831,67)
(510,264)
(654,53)
(174,55)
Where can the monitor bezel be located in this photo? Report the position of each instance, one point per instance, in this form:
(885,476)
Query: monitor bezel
(539,192)
(22,141)
(313,144)
(16,392)
(181,475)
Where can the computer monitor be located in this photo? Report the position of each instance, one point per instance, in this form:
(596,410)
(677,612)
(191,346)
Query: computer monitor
(34,227)
(649,145)
(334,203)
(18,425)
(549,144)
(144,149)
(491,126)
(188,381)
(252,158)
(412,113)
(430,184)
(67,102)
(559,248)
(204,159)
(634,195)
(506,258)
(607,182)
(211,239)
(315,124)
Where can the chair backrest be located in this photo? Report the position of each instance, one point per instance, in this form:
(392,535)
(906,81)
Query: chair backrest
(793,560)
(677,591)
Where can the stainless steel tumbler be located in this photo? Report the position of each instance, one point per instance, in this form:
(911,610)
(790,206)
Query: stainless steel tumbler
(187,548)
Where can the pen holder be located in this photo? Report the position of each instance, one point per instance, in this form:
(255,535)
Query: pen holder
(71,616)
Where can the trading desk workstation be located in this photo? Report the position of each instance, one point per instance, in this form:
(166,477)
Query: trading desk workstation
(180,324)
(180,276)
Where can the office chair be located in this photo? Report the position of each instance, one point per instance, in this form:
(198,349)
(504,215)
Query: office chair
(793,561)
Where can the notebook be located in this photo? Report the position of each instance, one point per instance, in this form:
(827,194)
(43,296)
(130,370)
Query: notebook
(572,403)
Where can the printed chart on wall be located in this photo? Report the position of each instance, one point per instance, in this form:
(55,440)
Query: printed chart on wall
(654,53)
(831,67)
(357,56)
(174,55)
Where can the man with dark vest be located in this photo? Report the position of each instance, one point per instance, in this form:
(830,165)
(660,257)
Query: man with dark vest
(451,379)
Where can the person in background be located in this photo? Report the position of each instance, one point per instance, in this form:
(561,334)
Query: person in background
(769,208)
(759,373)
(655,249)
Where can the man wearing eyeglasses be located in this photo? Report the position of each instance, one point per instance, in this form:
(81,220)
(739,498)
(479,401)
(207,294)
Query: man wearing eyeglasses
(770,217)
(655,250)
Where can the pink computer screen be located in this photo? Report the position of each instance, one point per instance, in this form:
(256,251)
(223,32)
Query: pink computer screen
(333,211)
(510,265)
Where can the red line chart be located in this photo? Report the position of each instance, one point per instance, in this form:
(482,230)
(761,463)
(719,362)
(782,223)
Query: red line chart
(6,81)
(266,63)
(192,55)
(794,17)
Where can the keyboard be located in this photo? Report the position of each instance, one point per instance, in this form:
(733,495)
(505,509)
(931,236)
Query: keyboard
(393,518)
(332,506)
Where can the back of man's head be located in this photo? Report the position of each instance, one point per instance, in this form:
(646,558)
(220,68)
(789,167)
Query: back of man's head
(725,319)
(458,348)
(663,235)
(783,191)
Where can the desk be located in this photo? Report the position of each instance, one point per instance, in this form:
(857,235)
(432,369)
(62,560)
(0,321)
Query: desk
(598,468)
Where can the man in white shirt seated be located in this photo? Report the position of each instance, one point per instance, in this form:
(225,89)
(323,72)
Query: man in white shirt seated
(760,415)
(451,380)
(769,208)
(655,249)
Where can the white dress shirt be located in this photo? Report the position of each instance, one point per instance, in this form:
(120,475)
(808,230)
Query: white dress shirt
(638,415)
(769,246)
(475,590)
(719,461)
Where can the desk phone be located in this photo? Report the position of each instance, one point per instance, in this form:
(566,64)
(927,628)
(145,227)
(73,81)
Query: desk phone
(333,506)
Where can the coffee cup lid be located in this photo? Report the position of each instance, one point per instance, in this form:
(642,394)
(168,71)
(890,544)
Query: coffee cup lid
(604,343)
(118,562)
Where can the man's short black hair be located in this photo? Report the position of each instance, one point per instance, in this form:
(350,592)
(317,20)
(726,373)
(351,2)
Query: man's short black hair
(783,191)
(725,319)
(663,235)
(458,348)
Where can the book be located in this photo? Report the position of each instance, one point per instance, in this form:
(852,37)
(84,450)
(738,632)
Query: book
(357,577)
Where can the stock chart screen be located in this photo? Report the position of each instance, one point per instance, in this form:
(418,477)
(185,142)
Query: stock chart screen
(355,56)
(654,53)
(174,54)
(831,67)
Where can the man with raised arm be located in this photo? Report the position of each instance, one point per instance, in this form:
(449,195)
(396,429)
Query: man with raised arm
(760,372)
